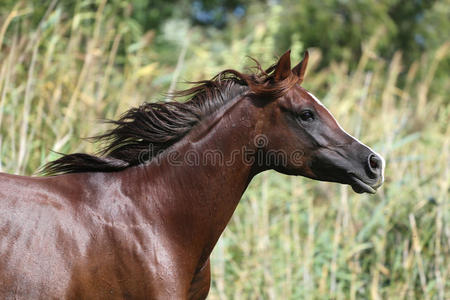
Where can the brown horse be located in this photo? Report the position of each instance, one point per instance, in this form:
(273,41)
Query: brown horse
(140,220)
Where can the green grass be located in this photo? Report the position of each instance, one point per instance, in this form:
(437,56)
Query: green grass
(290,238)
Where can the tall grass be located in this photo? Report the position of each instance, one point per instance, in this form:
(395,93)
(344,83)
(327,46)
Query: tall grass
(291,238)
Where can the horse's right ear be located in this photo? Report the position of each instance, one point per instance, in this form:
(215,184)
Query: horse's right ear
(299,70)
(283,67)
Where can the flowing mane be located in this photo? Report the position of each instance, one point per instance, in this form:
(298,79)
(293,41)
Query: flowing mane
(157,126)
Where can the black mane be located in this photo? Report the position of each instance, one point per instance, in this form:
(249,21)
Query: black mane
(143,132)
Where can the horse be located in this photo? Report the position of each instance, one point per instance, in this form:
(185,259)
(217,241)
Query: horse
(139,219)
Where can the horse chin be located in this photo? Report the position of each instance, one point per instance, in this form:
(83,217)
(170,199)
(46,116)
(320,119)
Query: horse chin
(361,190)
(360,186)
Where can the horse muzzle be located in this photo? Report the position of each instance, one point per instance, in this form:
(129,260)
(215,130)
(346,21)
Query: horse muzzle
(374,178)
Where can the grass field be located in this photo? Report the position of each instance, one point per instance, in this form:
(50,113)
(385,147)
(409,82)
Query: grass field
(291,238)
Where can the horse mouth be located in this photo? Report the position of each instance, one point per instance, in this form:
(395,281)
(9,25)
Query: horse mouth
(359,186)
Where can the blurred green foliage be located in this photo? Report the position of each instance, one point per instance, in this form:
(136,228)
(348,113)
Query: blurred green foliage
(337,27)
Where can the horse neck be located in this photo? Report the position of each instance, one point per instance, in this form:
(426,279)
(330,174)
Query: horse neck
(208,190)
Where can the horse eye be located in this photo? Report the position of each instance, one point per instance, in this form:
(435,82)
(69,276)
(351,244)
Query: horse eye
(306,116)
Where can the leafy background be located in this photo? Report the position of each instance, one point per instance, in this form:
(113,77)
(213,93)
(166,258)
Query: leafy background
(382,67)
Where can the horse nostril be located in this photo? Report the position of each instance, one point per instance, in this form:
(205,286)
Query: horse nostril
(374,162)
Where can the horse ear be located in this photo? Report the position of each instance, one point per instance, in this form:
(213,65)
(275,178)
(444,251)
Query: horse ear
(300,69)
(283,67)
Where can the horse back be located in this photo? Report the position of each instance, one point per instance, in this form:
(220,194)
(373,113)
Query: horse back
(74,236)
(37,235)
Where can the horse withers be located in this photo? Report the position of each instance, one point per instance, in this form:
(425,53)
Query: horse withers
(140,220)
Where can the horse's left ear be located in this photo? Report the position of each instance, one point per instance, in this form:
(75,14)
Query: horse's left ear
(283,67)
(299,70)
